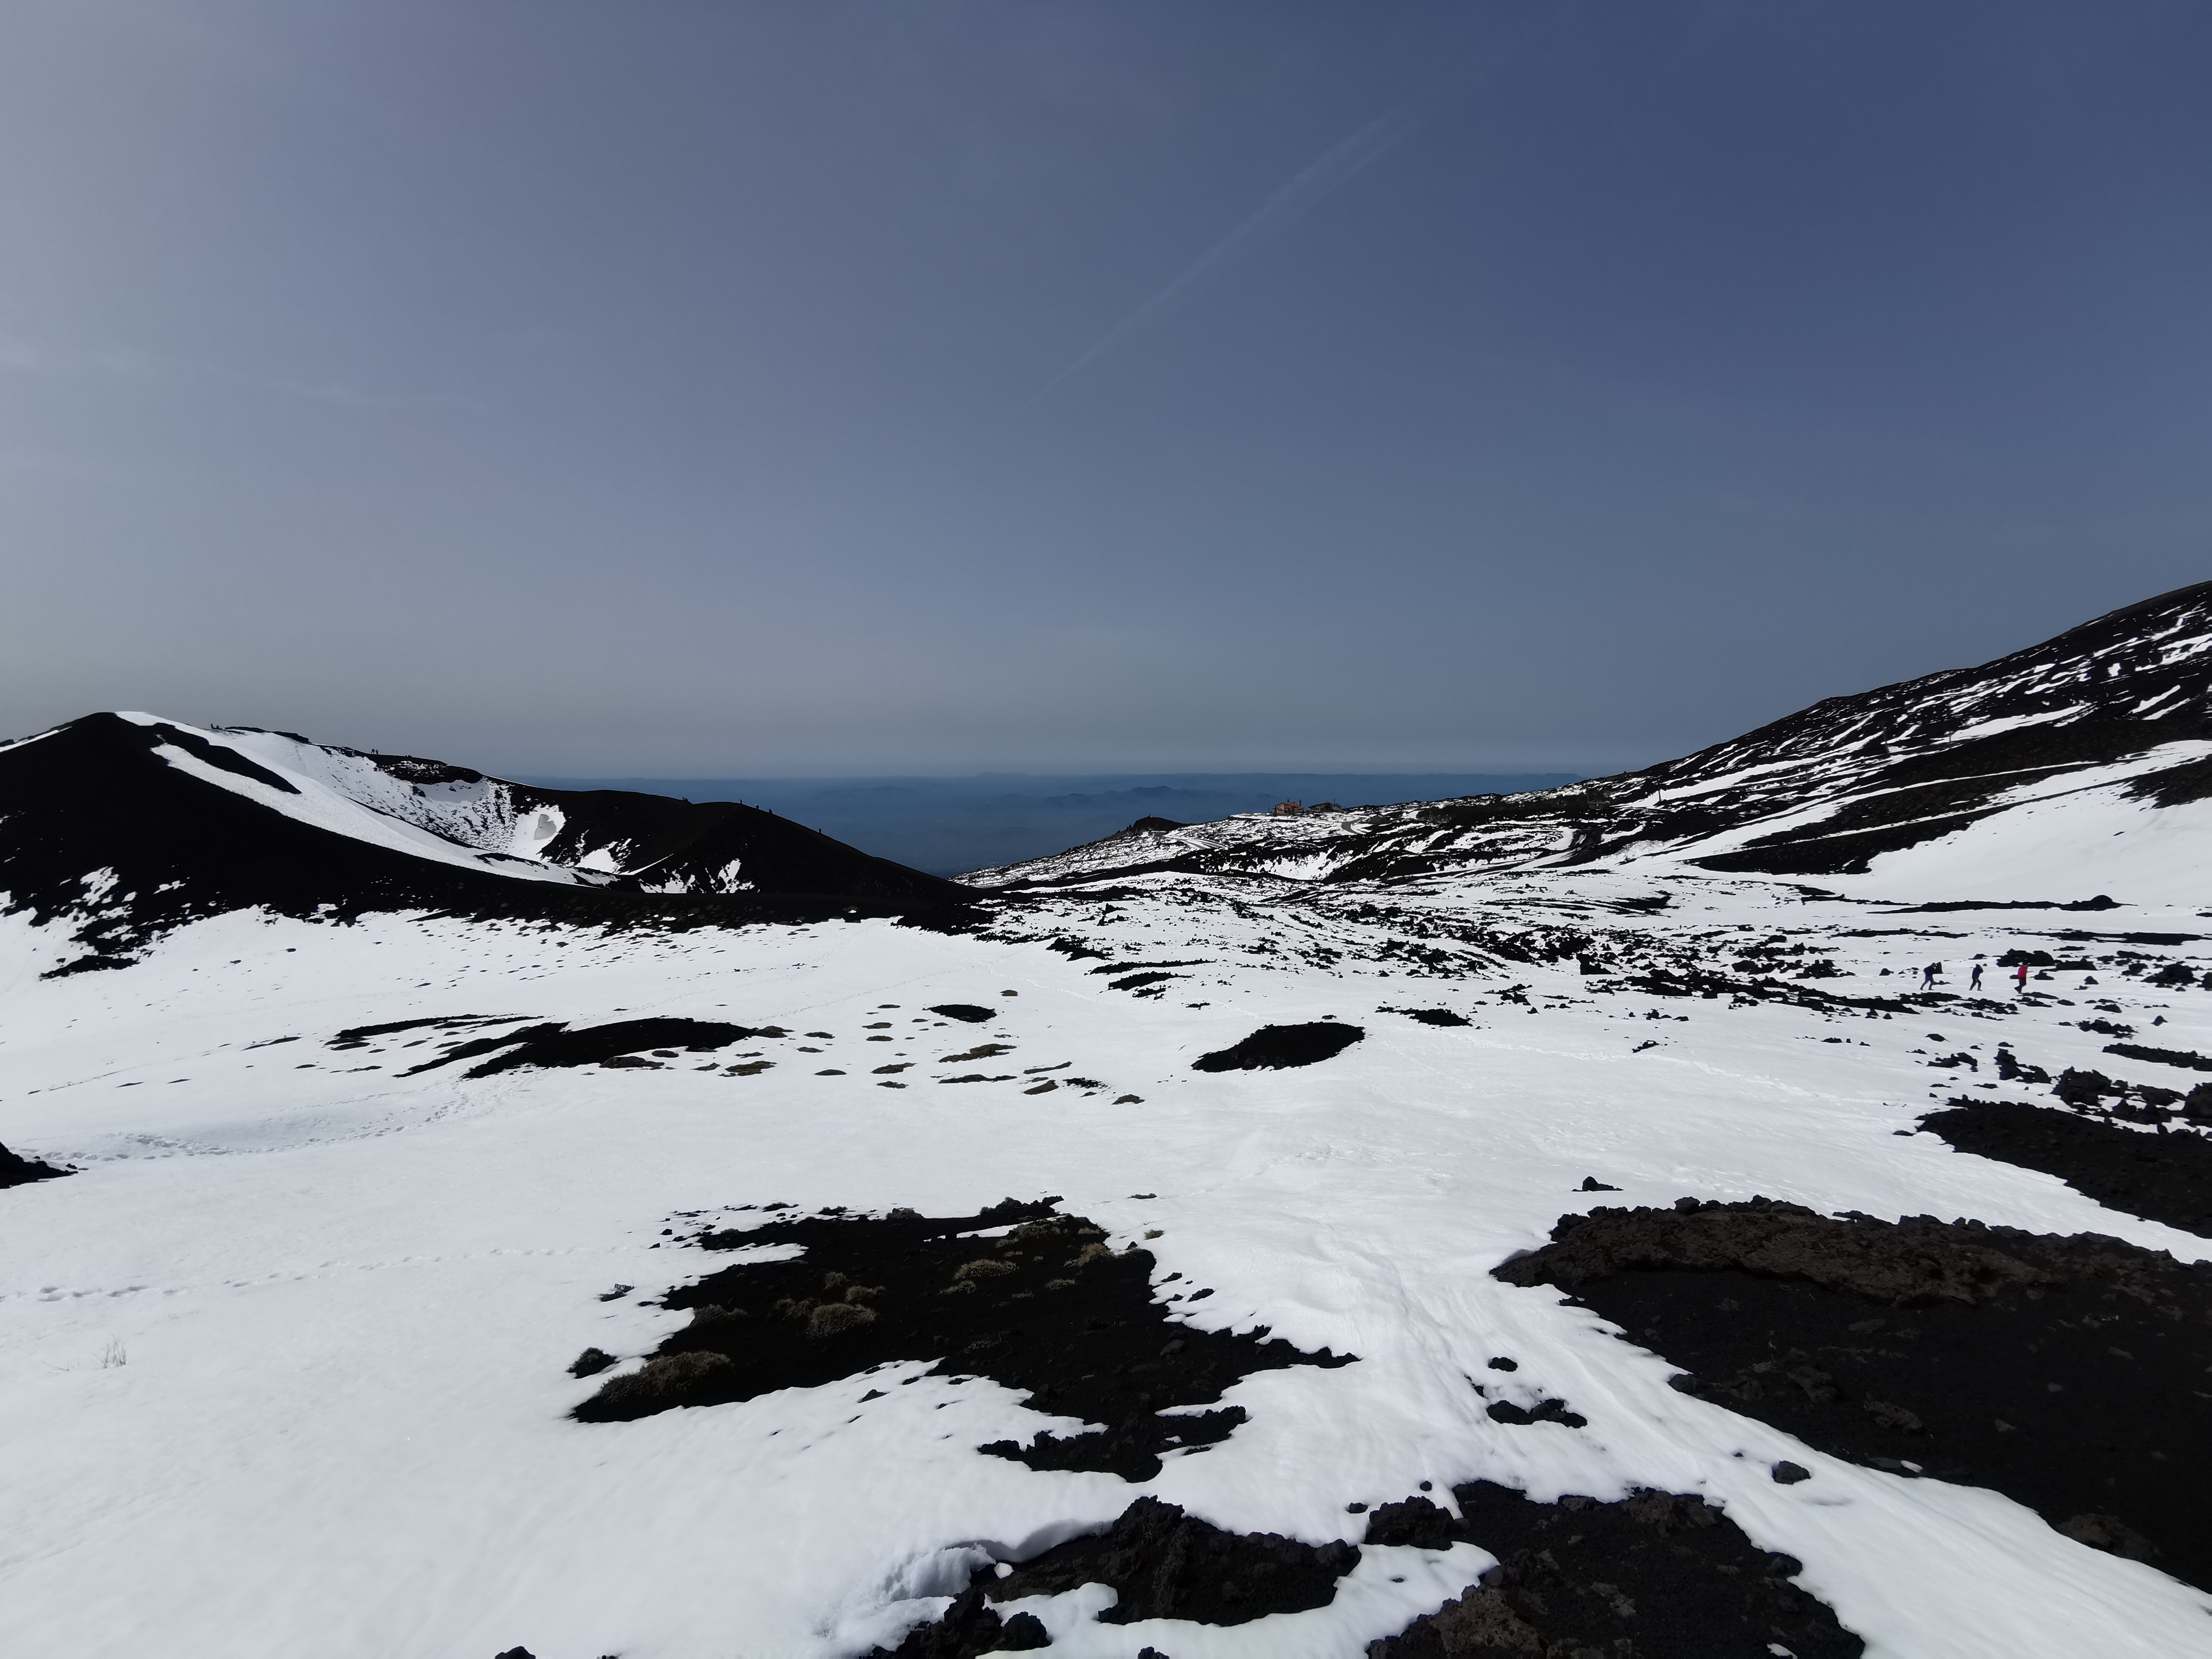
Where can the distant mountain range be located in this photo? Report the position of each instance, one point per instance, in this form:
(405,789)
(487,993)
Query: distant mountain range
(950,825)
(132,824)
(2023,767)
(2023,771)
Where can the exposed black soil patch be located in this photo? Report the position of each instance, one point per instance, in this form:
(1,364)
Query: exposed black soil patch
(2068,1374)
(1279,1046)
(554,1045)
(1428,1016)
(1654,1576)
(1136,981)
(2160,1176)
(2187,1058)
(1659,980)
(1162,1563)
(2101,903)
(1048,1308)
(971,1626)
(1544,1411)
(1165,1564)
(966,1012)
(358,1037)
(16,1170)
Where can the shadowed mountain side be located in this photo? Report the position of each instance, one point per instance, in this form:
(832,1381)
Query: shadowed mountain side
(97,825)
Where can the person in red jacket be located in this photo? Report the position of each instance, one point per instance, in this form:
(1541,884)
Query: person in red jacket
(2020,979)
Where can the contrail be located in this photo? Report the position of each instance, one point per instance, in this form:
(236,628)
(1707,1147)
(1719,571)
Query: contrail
(1355,154)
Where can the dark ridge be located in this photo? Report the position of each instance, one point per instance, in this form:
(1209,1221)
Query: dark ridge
(414,769)
(1075,950)
(1147,967)
(967,1012)
(355,1037)
(658,839)
(1279,1046)
(1658,980)
(554,1045)
(2099,903)
(1428,1016)
(1653,1576)
(87,964)
(2164,1177)
(1136,981)
(2185,1058)
(16,1170)
(2066,1373)
(1154,823)
(94,795)
(1047,1309)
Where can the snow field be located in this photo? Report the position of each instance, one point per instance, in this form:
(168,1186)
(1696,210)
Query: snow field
(343,1300)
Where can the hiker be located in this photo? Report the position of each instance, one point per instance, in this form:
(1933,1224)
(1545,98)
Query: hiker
(1975,984)
(1928,975)
(2020,979)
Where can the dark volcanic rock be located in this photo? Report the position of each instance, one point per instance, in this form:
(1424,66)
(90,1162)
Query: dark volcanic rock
(2160,1176)
(1165,1564)
(1162,1563)
(16,1170)
(1047,1309)
(554,1045)
(968,1013)
(1654,1576)
(2067,1373)
(969,1627)
(2186,1058)
(1278,1047)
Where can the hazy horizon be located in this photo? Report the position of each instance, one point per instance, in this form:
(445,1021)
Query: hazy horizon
(949,826)
(833,388)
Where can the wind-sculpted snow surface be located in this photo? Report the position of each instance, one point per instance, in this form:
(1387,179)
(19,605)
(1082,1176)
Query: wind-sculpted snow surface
(1682,1261)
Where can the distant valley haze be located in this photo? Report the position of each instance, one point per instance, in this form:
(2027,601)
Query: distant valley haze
(949,826)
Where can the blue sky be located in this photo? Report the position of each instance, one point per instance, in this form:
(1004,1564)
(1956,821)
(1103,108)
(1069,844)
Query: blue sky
(707,389)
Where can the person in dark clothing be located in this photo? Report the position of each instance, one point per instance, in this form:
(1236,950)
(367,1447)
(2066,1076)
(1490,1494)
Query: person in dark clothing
(1928,975)
(1975,984)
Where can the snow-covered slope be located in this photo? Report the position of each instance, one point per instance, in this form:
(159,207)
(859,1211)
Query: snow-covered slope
(128,823)
(1983,781)
(369,1202)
